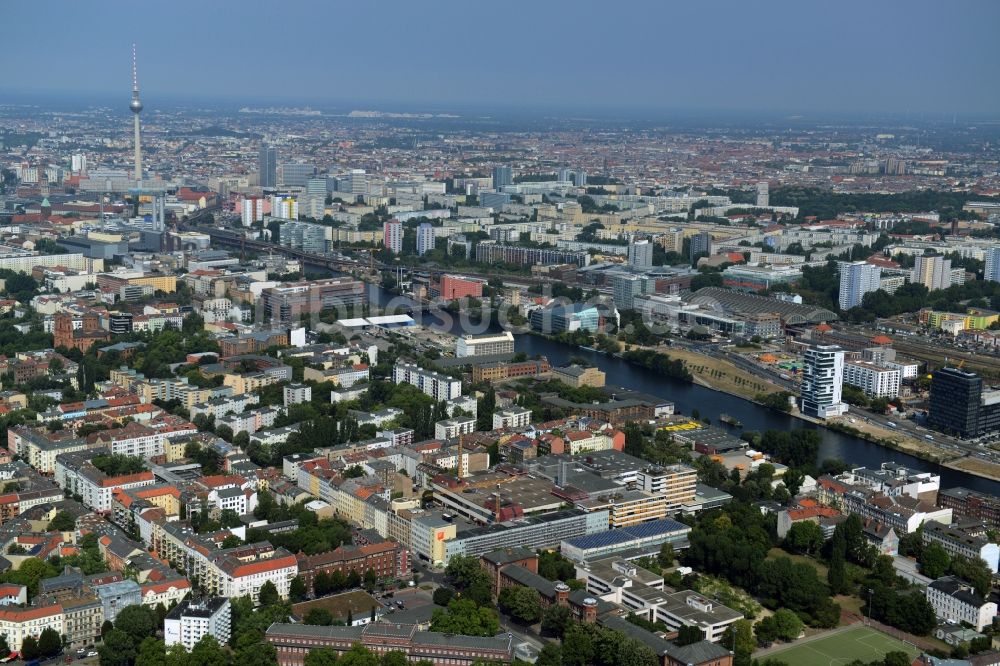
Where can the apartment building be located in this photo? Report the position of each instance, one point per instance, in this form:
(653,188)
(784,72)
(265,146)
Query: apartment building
(243,571)
(876,381)
(956,601)
(133,439)
(223,406)
(19,623)
(511,418)
(434,384)
(958,542)
(77,475)
(902,513)
(190,621)
(39,448)
(252,421)
(454,428)
(586,441)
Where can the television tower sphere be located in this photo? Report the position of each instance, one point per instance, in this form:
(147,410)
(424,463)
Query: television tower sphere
(135,106)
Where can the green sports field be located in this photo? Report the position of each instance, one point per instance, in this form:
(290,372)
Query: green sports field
(841,648)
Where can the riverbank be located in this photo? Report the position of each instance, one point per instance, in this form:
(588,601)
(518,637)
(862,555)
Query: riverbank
(883,437)
(716,373)
(976,466)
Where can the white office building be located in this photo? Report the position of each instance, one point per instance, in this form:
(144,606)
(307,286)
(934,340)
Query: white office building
(822,382)
(992,259)
(484,345)
(625,288)
(876,381)
(191,621)
(763,196)
(934,272)
(857,278)
(284,207)
(425,238)
(640,254)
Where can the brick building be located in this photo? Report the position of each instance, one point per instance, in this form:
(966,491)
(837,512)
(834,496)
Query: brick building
(64,335)
(387,559)
(294,641)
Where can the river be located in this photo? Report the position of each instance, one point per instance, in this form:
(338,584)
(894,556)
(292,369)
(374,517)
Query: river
(687,397)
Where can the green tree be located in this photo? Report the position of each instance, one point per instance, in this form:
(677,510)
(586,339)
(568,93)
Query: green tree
(231,541)
(137,622)
(358,655)
(255,653)
(152,652)
(321,657)
(395,658)
(29,648)
(62,522)
(322,584)
(739,638)
(974,571)
(689,634)
(555,566)
(896,658)
(523,604)
(465,618)
(788,625)
(555,619)
(297,589)
(666,556)
(318,616)
(805,537)
(208,652)
(550,655)
(836,575)
(577,646)
(49,642)
(117,649)
(766,631)
(268,595)
(934,561)
(443,596)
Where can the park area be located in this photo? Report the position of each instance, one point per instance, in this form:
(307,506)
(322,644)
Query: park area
(842,647)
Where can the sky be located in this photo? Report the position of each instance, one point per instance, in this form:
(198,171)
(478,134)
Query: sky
(789,56)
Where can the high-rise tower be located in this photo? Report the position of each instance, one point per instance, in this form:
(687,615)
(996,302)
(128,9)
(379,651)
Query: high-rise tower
(135,106)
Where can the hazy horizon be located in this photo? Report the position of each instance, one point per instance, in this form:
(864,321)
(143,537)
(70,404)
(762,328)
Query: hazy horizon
(633,58)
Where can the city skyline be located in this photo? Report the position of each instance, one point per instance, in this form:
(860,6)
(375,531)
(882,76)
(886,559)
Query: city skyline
(785,57)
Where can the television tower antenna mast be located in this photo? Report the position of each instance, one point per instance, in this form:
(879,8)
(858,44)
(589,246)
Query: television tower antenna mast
(135,106)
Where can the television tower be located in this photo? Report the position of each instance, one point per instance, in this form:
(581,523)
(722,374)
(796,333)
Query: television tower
(135,106)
